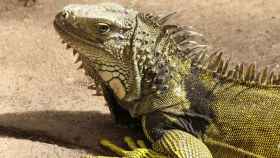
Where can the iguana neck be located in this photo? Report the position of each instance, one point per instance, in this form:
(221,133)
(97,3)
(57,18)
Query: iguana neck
(163,77)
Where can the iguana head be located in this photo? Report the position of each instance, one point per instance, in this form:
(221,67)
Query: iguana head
(103,36)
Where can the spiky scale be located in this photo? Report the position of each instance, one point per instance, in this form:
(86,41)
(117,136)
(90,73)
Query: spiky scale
(220,67)
(271,78)
(81,66)
(165,18)
(225,68)
(179,37)
(248,73)
(258,78)
(264,75)
(165,28)
(208,63)
(277,81)
(215,61)
(241,72)
(229,74)
(236,73)
(253,74)
(193,33)
(201,57)
(78,59)
(75,51)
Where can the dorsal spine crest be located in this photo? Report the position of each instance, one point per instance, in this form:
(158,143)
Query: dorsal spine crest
(214,63)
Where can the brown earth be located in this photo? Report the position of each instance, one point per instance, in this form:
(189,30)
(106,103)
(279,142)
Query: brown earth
(46,108)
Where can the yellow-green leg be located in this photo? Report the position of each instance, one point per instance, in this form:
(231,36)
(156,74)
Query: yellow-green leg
(138,149)
(173,144)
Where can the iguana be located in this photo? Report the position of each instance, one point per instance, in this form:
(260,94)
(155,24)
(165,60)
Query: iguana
(189,102)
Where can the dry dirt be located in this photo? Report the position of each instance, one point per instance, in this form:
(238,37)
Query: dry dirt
(43,96)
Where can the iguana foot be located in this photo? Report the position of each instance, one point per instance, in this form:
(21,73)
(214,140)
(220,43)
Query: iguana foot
(138,149)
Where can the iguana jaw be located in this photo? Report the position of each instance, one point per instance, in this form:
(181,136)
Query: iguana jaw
(73,36)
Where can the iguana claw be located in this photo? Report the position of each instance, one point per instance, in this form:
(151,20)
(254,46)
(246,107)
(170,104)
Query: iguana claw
(138,149)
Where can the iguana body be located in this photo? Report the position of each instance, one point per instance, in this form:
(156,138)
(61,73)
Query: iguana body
(188,103)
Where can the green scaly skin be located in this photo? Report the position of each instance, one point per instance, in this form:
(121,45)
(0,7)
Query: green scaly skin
(188,103)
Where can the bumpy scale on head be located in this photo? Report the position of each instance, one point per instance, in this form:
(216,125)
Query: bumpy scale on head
(102,35)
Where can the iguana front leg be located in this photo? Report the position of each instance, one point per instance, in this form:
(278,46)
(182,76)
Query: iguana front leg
(173,144)
(138,149)
(167,142)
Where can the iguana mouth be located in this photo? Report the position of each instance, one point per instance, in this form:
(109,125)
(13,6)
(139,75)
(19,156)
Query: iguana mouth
(76,39)
(72,35)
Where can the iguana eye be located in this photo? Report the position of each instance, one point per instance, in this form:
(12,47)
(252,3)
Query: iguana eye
(102,27)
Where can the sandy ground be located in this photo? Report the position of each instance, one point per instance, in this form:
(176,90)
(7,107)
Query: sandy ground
(43,95)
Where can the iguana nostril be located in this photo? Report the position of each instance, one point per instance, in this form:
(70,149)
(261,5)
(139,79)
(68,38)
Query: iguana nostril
(66,14)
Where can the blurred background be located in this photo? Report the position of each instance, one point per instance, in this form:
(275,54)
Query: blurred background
(46,108)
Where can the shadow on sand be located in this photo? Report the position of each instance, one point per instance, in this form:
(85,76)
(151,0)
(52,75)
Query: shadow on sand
(71,129)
